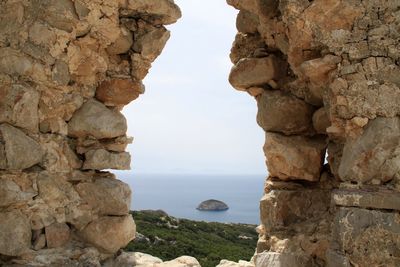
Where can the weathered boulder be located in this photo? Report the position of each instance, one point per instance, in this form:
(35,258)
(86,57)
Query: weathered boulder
(133,259)
(101,159)
(109,234)
(140,66)
(95,119)
(58,154)
(57,235)
(21,151)
(19,106)
(15,233)
(321,121)
(56,108)
(274,259)
(294,157)
(183,261)
(283,112)
(375,155)
(122,44)
(117,92)
(368,236)
(247,22)
(155,11)
(281,210)
(60,14)
(55,190)
(108,196)
(251,72)
(241,263)
(11,193)
(150,44)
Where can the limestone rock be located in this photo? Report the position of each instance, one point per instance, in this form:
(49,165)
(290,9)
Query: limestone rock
(14,63)
(273,259)
(374,198)
(60,14)
(101,159)
(109,233)
(58,154)
(39,243)
(60,73)
(294,157)
(247,22)
(133,259)
(95,119)
(368,236)
(156,11)
(245,46)
(183,261)
(252,72)
(19,106)
(21,151)
(57,235)
(119,91)
(140,66)
(321,121)
(122,44)
(282,112)
(107,195)
(55,190)
(55,108)
(15,233)
(281,210)
(11,193)
(373,155)
(150,44)
(226,263)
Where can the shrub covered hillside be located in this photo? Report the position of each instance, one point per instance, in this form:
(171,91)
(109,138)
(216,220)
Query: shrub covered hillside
(166,237)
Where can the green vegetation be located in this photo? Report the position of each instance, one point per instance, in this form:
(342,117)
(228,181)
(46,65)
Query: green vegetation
(168,238)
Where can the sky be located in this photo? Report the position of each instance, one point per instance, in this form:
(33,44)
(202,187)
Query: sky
(190,120)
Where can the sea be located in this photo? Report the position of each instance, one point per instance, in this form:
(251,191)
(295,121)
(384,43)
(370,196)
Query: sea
(179,195)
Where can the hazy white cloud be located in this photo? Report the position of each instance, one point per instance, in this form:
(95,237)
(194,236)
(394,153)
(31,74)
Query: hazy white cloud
(190,120)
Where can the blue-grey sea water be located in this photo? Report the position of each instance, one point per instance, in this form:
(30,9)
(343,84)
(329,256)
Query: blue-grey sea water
(179,195)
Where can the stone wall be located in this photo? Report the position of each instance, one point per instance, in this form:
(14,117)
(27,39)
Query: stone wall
(325,74)
(326,78)
(67,68)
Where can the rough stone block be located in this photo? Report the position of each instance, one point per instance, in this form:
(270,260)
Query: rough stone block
(119,91)
(368,236)
(101,159)
(109,234)
(375,155)
(285,209)
(95,119)
(285,113)
(21,151)
(252,72)
(294,157)
(374,198)
(157,11)
(108,196)
(15,233)
(57,235)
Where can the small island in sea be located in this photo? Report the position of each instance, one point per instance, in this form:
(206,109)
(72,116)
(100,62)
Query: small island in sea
(212,205)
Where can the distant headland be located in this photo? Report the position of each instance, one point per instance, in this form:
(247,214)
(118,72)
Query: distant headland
(212,205)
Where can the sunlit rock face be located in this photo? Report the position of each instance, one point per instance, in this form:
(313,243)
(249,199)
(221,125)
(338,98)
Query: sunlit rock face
(67,68)
(325,75)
